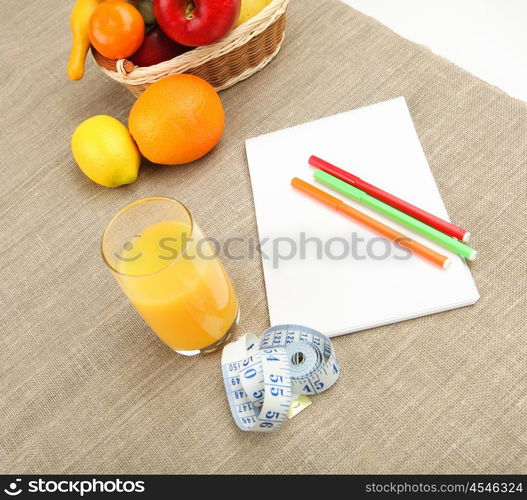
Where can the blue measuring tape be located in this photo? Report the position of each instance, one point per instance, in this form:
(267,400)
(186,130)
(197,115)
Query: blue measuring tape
(263,377)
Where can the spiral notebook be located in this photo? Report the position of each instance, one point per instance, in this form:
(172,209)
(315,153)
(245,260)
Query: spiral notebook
(324,270)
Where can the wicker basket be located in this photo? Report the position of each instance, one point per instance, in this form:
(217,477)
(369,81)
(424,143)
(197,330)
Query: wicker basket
(244,51)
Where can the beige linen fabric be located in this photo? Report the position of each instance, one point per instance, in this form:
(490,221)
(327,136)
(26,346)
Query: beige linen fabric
(86,388)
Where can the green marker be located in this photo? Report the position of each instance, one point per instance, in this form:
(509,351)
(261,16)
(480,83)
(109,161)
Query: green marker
(438,237)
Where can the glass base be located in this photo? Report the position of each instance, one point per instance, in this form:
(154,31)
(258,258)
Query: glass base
(218,344)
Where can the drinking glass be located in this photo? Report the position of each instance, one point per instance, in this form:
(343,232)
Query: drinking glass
(171,274)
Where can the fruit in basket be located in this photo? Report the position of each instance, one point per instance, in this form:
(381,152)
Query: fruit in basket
(156,48)
(250,8)
(117,29)
(196,22)
(146,9)
(105,151)
(79,24)
(177,120)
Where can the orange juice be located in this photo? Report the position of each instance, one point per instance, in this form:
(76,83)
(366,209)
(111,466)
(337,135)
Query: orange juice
(180,288)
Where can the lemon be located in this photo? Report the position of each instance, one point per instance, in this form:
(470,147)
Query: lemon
(250,8)
(105,151)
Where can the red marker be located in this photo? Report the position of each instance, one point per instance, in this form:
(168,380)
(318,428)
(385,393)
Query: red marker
(390,199)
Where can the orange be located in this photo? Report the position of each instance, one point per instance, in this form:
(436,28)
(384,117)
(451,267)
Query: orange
(177,120)
(117,29)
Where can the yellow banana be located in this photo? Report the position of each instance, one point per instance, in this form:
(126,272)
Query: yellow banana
(79,24)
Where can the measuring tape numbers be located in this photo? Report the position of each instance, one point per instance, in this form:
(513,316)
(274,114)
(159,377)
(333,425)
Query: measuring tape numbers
(263,377)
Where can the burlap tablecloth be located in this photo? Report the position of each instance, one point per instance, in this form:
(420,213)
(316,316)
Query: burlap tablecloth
(86,388)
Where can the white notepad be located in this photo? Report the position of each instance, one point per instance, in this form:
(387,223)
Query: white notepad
(362,284)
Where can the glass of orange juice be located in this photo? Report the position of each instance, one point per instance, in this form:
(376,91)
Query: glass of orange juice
(171,274)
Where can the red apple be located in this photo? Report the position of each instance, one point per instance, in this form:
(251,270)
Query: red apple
(196,22)
(156,48)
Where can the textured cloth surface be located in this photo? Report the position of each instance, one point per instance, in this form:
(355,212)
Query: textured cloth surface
(86,388)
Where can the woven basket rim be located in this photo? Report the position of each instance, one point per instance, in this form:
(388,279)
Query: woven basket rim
(200,55)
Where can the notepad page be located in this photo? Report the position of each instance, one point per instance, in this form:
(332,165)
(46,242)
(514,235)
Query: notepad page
(368,281)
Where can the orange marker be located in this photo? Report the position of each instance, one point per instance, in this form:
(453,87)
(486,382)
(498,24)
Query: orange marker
(371,223)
